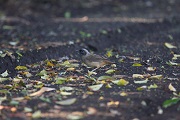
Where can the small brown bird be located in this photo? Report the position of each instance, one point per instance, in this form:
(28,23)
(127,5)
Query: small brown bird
(93,60)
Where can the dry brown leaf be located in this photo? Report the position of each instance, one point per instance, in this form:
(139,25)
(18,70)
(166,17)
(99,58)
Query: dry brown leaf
(41,91)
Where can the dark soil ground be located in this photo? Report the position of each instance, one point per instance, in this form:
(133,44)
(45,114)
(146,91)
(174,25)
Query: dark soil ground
(39,43)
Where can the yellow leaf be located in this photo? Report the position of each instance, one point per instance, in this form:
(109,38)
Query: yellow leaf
(123,94)
(21,68)
(113,103)
(50,64)
(70,69)
(109,53)
(137,65)
(110,71)
(108,86)
(121,82)
(141,88)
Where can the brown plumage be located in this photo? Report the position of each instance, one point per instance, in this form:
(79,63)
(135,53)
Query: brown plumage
(93,60)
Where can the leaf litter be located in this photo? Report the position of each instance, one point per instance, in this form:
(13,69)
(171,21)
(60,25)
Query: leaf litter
(72,80)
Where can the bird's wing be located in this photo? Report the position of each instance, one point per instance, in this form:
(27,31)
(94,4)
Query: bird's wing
(94,58)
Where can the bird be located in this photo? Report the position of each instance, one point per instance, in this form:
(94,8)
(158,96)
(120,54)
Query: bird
(93,60)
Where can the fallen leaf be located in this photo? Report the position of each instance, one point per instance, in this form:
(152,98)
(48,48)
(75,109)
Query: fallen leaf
(137,76)
(13,102)
(21,68)
(142,88)
(36,114)
(137,65)
(133,58)
(152,86)
(105,78)
(42,73)
(170,102)
(5,74)
(91,73)
(173,63)
(176,56)
(95,87)
(121,82)
(109,53)
(60,80)
(171,87)
(108,86)
(141,81)
(67,101)
(50,64)
(41,91)
(113,103)
(91,111)
(2,99)
(156,77)
(169,45)
(65,93)
(3,79)
(70,69)
(75,115)
(66,88)
(110,71)
(27,109)
(151,68)
(123,94)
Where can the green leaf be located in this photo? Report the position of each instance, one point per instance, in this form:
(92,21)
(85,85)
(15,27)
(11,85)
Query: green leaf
(27,109)
(68,64)
(108,86)
(42,73)
(170,102)
(142,88)
(105,78)
(121,82)
(4,91)
(60,80)
(67,101)
(152,86)
(95,87)
(45,99)
(110,71)
(3,79)
(13,102)
(21,68)
(137,65)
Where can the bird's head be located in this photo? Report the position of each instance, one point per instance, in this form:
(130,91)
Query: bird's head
(83,52)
